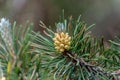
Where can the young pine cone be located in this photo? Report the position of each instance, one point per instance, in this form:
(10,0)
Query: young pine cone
(62,41)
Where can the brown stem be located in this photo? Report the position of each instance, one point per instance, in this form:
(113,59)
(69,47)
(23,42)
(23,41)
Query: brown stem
(80,61)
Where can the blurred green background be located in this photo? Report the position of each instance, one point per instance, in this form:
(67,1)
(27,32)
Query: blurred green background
(104,13)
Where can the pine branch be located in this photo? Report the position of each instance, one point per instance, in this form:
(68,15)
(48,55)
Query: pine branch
(69,53)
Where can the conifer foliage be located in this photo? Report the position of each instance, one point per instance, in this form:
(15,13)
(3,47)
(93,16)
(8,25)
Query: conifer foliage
(72,53)
(16,55)
(69,52)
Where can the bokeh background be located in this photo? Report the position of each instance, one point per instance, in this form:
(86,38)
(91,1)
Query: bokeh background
(104,13)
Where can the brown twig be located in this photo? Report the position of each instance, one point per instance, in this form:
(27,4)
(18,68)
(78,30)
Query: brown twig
(80,62)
